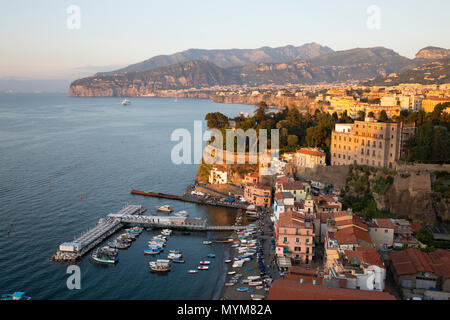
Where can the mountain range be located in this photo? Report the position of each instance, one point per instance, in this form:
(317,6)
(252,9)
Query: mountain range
(307,64)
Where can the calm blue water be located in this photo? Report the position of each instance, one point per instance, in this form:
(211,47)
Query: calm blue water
(97,148)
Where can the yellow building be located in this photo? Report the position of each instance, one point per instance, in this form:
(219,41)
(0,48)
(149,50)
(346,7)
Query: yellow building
(310,157)
(429,103)
(391,111)
(368,142)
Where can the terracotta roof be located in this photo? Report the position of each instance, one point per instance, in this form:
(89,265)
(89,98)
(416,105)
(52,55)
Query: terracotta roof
(293,185)
(415,227)
(287,289)
(351,235)
(368,256)
(385,223)
(302,271)
(291,219)
(325,215)
(312,152)
(351,220)
(411,261)
(283,195)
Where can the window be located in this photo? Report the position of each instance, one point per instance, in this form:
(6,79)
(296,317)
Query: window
(386,230)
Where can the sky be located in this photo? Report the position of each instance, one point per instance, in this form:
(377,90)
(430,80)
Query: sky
(36,42)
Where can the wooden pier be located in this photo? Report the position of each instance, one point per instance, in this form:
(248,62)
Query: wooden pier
(187,197)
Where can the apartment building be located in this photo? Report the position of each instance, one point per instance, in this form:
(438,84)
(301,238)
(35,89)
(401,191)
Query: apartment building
(368,142)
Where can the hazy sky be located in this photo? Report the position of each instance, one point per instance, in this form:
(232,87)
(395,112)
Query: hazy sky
(36,43)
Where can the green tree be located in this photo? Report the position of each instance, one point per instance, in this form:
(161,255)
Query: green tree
(383,116)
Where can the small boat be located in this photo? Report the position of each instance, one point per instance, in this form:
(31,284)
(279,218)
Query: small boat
(242,289)
(203,268)
(15,296)
(227,261)
(160,265)
(253,277)
(207,242)
(166,232)
(232,272)
(165,208)
(211,255)
(181,213)
(175,251)
(152,251)
(229,284)
(192,271)
(172,256)
(257,297)
(205,262)
(178,260)
(255,283)
(125,102)
(259,287)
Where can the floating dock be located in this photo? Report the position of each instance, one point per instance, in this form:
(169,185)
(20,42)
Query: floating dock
(131,214)
(70,251)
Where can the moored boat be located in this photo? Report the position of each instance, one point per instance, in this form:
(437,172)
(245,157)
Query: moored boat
(164,208)
(15,296)
(160,265)
(192,271)
(242,289)
(205,262)
(207,242)
(211,255)
(203,268)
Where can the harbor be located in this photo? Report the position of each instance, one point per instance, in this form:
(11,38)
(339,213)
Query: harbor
(131,215)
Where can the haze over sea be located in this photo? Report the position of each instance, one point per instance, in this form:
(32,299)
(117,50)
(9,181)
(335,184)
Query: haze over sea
(54,149)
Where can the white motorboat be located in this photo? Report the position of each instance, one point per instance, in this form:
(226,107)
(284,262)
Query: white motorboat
(126,102)
(165,208)
(181,213)
(166,232)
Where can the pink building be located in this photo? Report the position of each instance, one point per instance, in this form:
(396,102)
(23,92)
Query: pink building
(294,237)
(258,194)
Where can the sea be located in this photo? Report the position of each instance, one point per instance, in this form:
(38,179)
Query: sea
(67,162)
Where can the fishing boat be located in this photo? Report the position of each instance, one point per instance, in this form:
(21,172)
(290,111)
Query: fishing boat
(255,283)
(229,284)
(205,262)
(203,268)
(253,277)
(125,102)
(166,232)
(211,255)
(192,271)
(231,272)
(174,256)
(105,256)
(242,289)
(227,261)
(165,208)
(15,296)
(160,265)
(207,242)
(181,213)
(175,251)
(178,260)
(257,297)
